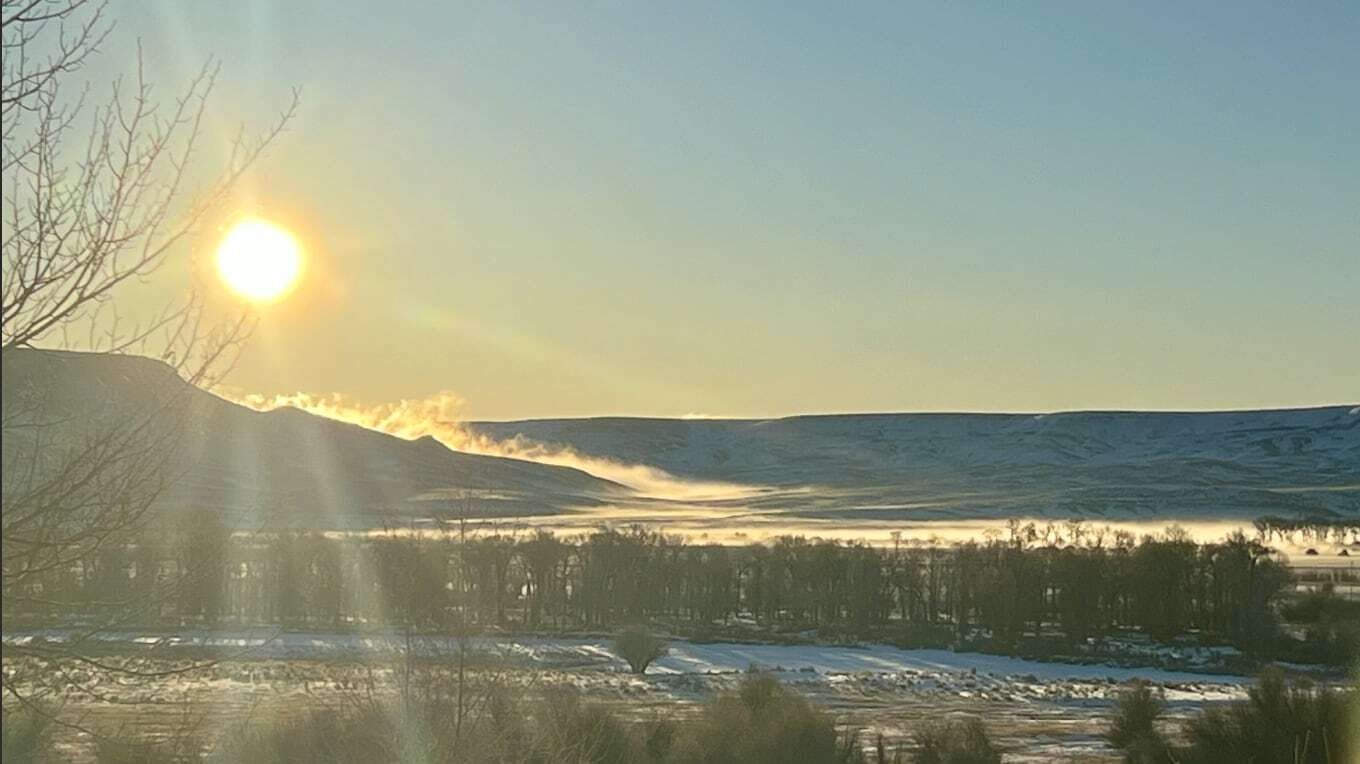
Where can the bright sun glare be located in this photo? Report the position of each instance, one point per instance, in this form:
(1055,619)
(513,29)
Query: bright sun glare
(259,260)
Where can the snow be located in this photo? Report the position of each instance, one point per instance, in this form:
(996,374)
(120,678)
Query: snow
(844,474)
(688,657)
(879,668)
(884,468)
(1035,710)
(816,450)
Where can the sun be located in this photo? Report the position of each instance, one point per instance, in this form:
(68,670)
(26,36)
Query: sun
(259,260)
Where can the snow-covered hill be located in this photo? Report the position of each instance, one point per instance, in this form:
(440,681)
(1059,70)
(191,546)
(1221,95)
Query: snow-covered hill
(1111,464)
(841,471)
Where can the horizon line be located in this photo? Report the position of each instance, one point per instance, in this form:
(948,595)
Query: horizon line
(925,412)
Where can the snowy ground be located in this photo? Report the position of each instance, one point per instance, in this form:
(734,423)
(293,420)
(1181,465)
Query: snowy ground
(1036,710)
(683,658)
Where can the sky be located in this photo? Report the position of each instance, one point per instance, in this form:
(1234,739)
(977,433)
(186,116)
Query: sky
(761,209)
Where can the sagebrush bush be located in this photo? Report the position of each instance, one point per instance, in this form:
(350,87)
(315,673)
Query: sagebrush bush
(342,736)
(1277,722)
(763,721)
(1133,729)
(639,646)
(658,738)
(955,742)
(25,736)
(574,732)
(501,727)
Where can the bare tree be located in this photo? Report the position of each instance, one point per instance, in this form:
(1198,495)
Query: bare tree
(96,197)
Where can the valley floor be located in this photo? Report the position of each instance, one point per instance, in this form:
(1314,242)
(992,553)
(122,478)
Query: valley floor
(1035,710)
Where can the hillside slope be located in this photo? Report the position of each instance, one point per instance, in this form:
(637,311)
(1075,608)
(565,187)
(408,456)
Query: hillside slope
(284,466)
(1112,464)
(291,467)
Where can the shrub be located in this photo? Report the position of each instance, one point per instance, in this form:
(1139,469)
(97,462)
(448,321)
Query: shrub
(1319,606)
(25,735)
(503,733)
(1133,729)
(1331,633)
(506,729)
(580,733)
(1277,722)
(659,738)
(1333,642)
(956,742)
(330,735)
(763,721)
(639,646)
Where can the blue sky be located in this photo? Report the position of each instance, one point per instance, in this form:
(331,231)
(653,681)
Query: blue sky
(760,209)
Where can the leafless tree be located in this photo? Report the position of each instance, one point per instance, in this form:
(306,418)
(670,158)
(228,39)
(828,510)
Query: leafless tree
(97,195)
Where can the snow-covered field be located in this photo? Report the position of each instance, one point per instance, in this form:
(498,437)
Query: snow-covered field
(941,669)
(1035,709)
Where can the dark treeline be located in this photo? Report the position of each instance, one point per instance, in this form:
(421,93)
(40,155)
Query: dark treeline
(1067,585)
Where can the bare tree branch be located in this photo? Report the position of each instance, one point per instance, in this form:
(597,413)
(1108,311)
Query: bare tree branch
(96,197)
